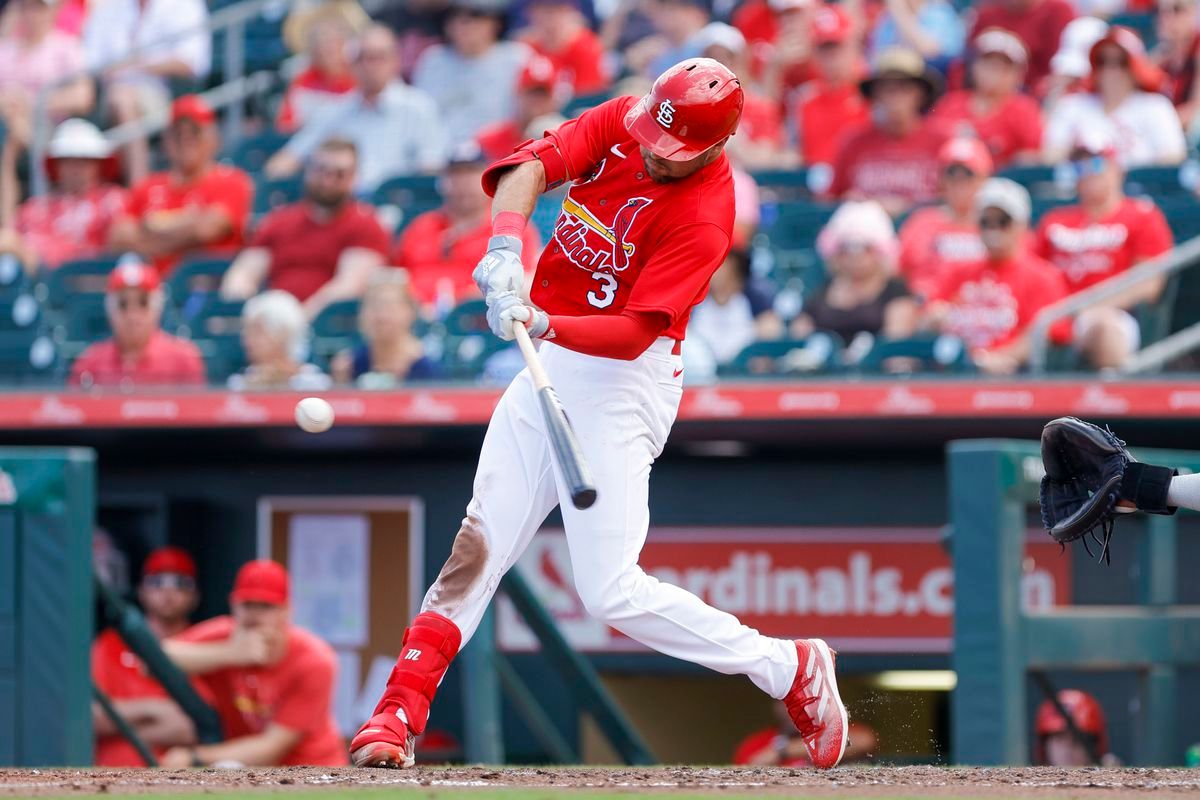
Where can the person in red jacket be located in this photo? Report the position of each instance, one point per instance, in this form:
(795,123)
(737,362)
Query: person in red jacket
(989,304)
(168,596)
(140,353)
(1037,23)
(831,104)
(994,109)
(195,205)
(276,706)
(559,31)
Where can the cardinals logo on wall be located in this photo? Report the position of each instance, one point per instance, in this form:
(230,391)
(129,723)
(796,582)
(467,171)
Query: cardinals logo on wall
(590,243)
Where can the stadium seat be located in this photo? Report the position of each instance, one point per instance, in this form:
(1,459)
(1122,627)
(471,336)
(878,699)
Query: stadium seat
(1042,181)
(86,276)
(401,199)
(929,353)
(13,278)
(272,193)
(215,318)
(464,356)
(784,185)
(20,312)
(1141,22)
(794,225)
(583,102)
(28,358)
(223,356)
(83,320)
(251,153)
(467,319)
(1154,181)
(195,278)
(815,354)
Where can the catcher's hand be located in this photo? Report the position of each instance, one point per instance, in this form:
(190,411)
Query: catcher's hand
(1090,477)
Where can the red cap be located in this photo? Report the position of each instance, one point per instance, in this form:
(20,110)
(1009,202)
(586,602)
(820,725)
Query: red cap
(192,107)
(1148,77)
(261,581)
(969,152)
(1085,712)
(691,107)
(133,274)
(831,25)
(539,73)
(169,561)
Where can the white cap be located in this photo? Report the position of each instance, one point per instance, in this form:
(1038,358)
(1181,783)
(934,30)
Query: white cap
(721,35)
(1006,195)
(78,138)
(1002,42)
(1072,59)
(862,221)
(789,5)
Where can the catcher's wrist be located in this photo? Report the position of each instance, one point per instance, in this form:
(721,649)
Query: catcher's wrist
(1146,485)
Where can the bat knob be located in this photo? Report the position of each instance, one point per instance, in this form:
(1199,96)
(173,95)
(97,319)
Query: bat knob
(584,498)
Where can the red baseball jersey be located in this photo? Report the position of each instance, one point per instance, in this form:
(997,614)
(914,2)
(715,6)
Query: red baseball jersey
(931,243)
(1014,126)
(623,241)
(1089,250)
(120,674)
(992,303)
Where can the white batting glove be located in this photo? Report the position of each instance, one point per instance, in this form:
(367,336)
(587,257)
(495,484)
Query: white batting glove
(506,309)
(500,270)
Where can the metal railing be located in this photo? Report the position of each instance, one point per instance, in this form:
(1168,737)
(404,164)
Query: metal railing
(1175,260)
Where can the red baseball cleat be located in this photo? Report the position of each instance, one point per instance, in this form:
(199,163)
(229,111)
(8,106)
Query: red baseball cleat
(815,706)
(385,741)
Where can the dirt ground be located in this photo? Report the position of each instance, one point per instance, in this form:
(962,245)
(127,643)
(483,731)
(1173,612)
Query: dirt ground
(553,782)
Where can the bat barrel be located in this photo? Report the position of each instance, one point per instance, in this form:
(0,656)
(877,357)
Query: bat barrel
(566,450)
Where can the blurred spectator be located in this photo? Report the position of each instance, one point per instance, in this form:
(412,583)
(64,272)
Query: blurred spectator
(864,295)
(994,109)
(1104,235)
(35,56)
(473,76)
(140,46)
(990,304)
(538,107)
(677,26)
(71,221)
(325,35)
(321,249)
(390,352)
(273,681)
(440,248)
(930,27)
(168,596)
(197,204)
(893,159)
(831,103)
(759,143)
(1037,23)
(1056,746)
(1124,98)
(71,16)
(558,30)
(787,62)
(139,353)
(781,745)
(1071,65)
(275,337)
(938,238)
(736,311)
(1177,23)
(395,127)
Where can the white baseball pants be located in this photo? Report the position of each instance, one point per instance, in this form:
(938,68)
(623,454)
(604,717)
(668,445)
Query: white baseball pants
(622,412)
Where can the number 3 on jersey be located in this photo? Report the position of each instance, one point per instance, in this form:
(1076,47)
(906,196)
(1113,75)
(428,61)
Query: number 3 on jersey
(606,292)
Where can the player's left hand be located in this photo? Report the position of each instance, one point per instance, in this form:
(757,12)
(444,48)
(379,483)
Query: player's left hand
(507,309)
(500,270)
(176,758)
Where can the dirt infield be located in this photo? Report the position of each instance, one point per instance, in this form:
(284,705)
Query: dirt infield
(550,782)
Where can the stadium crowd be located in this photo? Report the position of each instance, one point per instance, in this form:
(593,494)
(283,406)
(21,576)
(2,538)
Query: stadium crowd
(884,167)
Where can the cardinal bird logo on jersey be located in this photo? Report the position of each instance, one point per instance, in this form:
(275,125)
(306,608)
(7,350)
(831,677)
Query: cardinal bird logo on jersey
(592,245)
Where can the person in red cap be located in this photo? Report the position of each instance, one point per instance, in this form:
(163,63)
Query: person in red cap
(647,218)
(1037,23)
(71,221)
(272,681)
(1103,235)
(994,109)
(779,35)
(831,104)
(893,158)
(558,30)
(936,238)
(1055,745)
(439,247)
(196,205)
(540,96)
(1125,101)
(168,597)
(140,353)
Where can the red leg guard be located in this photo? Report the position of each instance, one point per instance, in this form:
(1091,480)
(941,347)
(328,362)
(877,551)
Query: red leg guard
(429,645)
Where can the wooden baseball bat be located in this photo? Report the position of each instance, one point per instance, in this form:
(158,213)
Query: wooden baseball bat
(575,469)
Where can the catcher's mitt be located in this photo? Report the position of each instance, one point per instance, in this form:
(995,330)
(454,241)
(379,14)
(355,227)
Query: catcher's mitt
(1090,477)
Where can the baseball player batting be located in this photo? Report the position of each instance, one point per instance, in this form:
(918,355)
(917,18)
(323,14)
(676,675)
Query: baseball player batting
(646,221)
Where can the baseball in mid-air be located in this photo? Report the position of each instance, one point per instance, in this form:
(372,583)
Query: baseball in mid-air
(314,415)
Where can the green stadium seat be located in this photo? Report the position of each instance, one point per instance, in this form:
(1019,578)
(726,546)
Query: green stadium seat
(794,225)
(252,152)
(815,354)
(273,193)
(214,319)
(337,319)
(196,277)
(13,278)
(929,353)
(401,199)
(467,319)
(84,319)
(785,185)
(583,102)
(464,356)
(1141,22)
(223,356)
(28,358)
(86,276)
(20,312)
(1154,181)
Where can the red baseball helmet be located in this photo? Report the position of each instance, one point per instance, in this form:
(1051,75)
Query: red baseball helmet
(694,105)
(1085,711)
